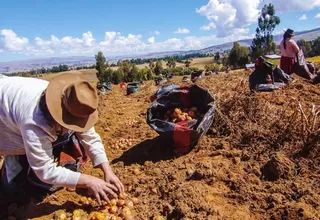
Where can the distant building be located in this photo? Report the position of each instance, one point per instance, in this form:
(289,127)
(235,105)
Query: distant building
(272,57)
(250,66)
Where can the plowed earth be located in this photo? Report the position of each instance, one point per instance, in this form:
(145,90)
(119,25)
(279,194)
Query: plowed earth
(260,159)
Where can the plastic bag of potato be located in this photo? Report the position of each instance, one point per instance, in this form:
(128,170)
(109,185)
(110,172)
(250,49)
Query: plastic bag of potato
(181,115)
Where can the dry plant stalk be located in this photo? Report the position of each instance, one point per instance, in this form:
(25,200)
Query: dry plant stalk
(310,129)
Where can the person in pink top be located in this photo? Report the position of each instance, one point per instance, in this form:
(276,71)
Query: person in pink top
(289,50)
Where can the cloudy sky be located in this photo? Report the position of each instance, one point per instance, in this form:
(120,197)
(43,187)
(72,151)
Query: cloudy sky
(42,28)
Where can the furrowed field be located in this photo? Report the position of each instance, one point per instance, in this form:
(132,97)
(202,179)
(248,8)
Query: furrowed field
(259,160)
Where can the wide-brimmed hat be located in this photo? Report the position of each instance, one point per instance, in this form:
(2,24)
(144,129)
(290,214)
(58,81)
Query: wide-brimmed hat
(290,32)
(72,102)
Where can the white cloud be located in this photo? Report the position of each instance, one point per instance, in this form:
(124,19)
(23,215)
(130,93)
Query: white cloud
(303,17)
(182,31)
(156,32)
(229,15)
(208,27)
(11,42)
(293,5)
(317,16)
(114,44)
(151,40)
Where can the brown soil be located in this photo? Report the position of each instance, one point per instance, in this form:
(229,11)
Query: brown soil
(260,159)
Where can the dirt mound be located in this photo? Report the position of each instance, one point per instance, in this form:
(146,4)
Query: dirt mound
(273,135)
(278,167)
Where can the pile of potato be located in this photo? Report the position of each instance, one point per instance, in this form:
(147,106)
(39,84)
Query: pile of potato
(182,114)
(117,209)
(123,143)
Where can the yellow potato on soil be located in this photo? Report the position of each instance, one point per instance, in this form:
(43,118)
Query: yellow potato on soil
(61,215)
(181,118)
(189,118)
(113,202)
(125,211)
(177,112)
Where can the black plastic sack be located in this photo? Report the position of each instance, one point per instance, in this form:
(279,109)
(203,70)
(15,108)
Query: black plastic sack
(183,135)
(263,73)
(316,79)
(197,75)
(158,81)
(263,65)
(280,76)
(132,88)
(258,77)
(268,87)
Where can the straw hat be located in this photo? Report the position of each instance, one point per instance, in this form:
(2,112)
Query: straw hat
(72,102)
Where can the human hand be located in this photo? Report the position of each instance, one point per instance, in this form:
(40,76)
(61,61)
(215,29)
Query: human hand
(110,177)
(98,187)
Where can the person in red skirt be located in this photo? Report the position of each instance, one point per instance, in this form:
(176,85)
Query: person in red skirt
(289,50)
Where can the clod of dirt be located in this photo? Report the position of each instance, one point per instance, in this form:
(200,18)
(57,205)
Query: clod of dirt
(278,167)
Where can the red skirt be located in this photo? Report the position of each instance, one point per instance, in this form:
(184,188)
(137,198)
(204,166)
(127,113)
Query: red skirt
(286,64)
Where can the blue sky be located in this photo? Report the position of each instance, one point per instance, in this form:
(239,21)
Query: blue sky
(42,28)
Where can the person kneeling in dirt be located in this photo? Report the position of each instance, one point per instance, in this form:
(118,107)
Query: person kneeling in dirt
(34,113)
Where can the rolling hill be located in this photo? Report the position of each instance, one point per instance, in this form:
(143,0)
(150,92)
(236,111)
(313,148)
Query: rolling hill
(25,65)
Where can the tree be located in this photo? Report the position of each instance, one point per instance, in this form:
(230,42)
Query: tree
(305,46)
(263,41)
(101,65)
(238,56)
(217,56)
(43,70)
(158,68)
(315,47)
(146,73)
(171,62)
(118,76)
(107,75)
(151,65)
(187,62)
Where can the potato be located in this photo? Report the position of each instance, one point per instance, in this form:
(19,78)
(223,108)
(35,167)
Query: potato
(181,118)
(177,112)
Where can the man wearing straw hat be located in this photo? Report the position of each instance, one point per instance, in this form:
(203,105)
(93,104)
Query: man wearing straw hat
(33,112)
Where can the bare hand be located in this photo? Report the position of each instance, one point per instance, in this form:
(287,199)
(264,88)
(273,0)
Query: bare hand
(98,187)
(111,178)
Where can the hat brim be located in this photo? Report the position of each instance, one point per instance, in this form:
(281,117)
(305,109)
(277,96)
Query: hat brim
(57,110)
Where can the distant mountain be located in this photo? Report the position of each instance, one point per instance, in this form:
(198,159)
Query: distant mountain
(25,65)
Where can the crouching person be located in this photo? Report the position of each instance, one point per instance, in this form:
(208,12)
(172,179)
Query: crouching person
(33,113)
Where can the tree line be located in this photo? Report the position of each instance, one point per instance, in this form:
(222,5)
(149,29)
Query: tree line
(177,58)
(129,72)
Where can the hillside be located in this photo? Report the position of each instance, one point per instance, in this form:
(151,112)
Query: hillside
(24,65)
(256,162)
